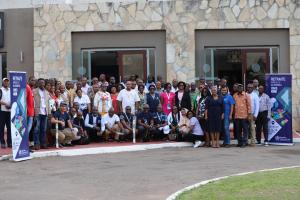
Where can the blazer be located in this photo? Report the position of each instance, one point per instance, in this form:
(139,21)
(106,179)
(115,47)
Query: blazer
(185,101)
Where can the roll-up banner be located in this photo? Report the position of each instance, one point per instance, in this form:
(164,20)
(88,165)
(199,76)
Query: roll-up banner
(19,132)
(279,88)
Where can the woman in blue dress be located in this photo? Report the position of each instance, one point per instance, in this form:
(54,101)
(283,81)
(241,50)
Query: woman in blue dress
(214,115)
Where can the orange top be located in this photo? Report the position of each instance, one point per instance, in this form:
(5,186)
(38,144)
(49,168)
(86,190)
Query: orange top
(242,105)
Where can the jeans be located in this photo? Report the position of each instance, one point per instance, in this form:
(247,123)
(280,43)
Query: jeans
(5,120)
(226,130)
(242,131)
(39,136)
(29,123)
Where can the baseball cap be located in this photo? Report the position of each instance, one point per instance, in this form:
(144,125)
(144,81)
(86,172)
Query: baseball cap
(63,103)
(5,79)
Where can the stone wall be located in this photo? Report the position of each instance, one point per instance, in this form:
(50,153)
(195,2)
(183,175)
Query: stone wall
(53,25)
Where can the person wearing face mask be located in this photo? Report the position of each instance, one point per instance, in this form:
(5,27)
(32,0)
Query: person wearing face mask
(93,126)
(65,128)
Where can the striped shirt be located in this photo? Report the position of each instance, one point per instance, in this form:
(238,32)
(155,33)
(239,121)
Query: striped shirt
(264,103)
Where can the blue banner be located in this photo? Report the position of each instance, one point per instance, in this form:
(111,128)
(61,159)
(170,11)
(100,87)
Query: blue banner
(19,133)
(279,88)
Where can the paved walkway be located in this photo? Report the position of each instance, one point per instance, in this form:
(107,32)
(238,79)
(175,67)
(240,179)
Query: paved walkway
(152,174)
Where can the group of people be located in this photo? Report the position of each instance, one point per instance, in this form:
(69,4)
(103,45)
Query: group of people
(105,110)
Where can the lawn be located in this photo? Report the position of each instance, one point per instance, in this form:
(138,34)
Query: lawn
(273,185)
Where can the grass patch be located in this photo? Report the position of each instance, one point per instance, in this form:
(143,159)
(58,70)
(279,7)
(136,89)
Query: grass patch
(273,185)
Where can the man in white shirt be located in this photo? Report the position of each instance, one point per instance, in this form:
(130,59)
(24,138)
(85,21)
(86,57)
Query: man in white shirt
(5,112)
(174,86)
(93,125)
(84,85)
(112,125)
(128,97)
(254,112)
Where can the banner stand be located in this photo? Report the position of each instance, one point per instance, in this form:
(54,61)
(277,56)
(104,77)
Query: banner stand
(279,89)
(18,117)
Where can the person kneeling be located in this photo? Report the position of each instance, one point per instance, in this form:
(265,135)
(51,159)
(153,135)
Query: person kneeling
(113,126)
(126,119)
(146,124)
(81,136)
(160,123)
(93,126)
(196,134)
(61,117)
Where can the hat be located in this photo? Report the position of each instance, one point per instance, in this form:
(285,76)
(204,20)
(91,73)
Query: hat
(5,79)
(63,103)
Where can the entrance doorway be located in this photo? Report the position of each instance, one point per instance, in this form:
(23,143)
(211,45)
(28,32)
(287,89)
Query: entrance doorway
(3,65)
(119,63)
(240,65)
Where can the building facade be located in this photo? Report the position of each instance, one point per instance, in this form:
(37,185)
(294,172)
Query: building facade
(183,39)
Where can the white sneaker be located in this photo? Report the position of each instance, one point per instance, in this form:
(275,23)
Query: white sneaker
(197,144)
(266,144)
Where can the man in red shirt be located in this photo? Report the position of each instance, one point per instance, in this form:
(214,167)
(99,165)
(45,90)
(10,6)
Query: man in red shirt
(30,107)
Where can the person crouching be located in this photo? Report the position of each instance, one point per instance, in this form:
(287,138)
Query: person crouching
(113,126)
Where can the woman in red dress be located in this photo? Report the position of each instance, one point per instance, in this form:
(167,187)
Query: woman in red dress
(114,94)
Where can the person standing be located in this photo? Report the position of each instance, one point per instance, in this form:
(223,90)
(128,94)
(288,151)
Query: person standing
(142,95)
(102,100)
(193,95)
(255,86)
(84,102)
(30,107)
(214,115)
(254,113)
(182,98)
(242,114)
(41,111)
(114,95)
(128,97)
(228,110)
(159,89)
(152,99)
(5,103)
(174,86)
(167,99)
(264,116)
(84,85)
(200,113)
(70,92)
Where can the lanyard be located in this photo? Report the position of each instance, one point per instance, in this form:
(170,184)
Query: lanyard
(158,117)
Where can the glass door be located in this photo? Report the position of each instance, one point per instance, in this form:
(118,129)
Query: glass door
(256,63)
(132,62)
(3,66)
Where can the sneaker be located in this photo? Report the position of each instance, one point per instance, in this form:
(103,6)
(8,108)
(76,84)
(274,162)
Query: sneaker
(197,144)
(266,144)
